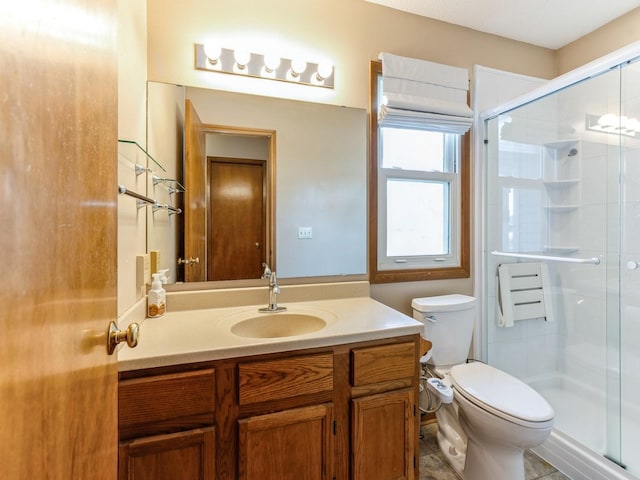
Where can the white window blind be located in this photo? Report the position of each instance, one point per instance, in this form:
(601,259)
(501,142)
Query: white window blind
(424,95)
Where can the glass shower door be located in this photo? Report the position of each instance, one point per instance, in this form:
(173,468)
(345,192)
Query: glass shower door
(553,197)
(628,344)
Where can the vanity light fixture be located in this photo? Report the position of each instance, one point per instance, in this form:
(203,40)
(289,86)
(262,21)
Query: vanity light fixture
(241,62)
(614,124)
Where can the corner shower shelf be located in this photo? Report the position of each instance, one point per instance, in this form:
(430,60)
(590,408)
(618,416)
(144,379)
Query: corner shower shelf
(561,183)
(560,250)
(561,180)
(561,208)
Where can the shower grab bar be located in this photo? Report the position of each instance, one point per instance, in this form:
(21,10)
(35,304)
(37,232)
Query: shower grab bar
(591,261)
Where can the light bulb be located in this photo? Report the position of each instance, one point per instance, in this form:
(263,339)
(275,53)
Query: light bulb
(324,71)
(298,66)
(213,52)
(623,122)
(633,125)
(242,58)
(271,62)
(607,121)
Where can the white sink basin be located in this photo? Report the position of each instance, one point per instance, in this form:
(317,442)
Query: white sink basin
(281,324)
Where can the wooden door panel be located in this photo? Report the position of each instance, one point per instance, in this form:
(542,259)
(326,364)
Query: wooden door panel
(383,429)
(195,197)
(58,152)
(238,235)
(186,455)
(294,444)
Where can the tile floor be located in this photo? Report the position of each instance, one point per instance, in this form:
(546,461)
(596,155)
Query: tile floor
(433,465)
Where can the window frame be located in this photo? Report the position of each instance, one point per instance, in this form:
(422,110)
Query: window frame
(377,275)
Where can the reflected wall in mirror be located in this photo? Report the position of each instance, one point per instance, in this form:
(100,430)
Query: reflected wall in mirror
(319,167)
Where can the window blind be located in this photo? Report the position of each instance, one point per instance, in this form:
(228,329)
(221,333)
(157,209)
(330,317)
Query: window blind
(424,95)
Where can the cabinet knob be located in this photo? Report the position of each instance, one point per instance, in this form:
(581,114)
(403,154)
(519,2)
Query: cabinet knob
(632,265)
(115,336)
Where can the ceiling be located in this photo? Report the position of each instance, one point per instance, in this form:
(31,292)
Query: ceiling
(546,23)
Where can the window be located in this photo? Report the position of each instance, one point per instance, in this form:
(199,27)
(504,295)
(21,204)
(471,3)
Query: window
(418,201)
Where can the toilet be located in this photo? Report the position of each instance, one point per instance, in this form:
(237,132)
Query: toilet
(487,418)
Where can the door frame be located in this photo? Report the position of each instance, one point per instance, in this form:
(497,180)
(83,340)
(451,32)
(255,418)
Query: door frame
(270,173)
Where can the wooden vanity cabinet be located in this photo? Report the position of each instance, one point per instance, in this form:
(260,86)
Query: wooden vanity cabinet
(166,426)
(330,413)
(285,430)
(384,414)
(188,455)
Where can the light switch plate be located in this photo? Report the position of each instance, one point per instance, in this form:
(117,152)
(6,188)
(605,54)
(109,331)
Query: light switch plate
(305,232)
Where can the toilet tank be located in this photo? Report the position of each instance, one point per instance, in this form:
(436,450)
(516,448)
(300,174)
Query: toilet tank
(448,321)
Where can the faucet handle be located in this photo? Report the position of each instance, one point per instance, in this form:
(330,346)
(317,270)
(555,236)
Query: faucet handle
(267,271)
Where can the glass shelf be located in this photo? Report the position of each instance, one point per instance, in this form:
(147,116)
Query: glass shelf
(173,184)
(132,142)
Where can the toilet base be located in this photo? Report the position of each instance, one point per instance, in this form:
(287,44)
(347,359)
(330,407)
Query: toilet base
(455,457)
(497,463)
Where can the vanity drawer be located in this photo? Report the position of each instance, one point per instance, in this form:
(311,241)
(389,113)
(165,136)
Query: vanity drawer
(383,364)
(177,400)
(264,381)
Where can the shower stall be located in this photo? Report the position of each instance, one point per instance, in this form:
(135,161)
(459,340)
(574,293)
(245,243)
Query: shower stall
(562,189)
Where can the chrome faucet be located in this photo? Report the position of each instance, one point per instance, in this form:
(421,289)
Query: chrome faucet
(274,290)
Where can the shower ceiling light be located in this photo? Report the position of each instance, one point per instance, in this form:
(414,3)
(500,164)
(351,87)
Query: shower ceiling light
(613,124)
(267,66)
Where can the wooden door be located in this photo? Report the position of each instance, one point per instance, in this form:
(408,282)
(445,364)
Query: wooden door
(58,159)
(195,197)
(383,436)
(185,455)
(294,444)
(237,219)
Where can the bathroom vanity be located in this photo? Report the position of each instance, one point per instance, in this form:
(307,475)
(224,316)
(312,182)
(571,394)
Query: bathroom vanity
(338,403)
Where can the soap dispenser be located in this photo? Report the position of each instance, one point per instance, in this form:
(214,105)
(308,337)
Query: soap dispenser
(156,300)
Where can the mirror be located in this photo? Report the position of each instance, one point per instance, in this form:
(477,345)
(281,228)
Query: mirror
(319,164)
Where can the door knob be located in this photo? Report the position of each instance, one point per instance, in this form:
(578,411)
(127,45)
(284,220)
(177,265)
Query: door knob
(115,336)
(632,265)
(188,261)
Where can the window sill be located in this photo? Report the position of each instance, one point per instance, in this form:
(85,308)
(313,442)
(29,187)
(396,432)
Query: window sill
(416,275)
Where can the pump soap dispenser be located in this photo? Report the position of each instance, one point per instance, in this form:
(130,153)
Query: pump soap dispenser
(156,300)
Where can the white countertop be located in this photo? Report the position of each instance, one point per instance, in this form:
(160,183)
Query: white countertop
(205,334)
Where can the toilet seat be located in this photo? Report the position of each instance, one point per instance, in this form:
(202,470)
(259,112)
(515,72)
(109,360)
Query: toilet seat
(501,394)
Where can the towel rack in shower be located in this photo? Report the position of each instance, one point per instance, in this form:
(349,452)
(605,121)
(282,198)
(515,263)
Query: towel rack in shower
(590,261)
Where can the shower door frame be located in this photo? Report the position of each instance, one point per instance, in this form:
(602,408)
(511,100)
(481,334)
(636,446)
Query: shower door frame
(561,453)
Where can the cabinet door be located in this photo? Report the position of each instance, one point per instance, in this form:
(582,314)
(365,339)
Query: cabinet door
(294,444)
(384,436)
(185,455)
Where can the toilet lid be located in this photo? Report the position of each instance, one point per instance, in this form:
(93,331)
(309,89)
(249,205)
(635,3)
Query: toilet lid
(505,395)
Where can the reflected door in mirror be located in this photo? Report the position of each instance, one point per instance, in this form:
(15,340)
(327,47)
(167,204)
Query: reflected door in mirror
(237,219)
(195,214)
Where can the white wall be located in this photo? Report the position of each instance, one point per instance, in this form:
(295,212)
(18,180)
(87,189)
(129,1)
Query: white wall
(349,33)
(132,76)
(165,124)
